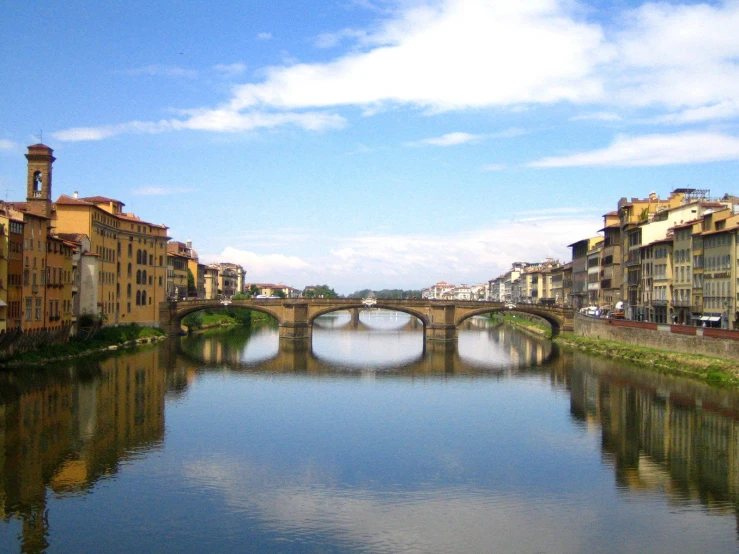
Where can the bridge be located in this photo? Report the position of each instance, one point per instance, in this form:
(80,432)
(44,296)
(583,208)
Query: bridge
(295,316)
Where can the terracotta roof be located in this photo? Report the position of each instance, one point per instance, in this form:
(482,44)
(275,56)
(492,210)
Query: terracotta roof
(686,224)
(102,199)
(64,199)
(72,237)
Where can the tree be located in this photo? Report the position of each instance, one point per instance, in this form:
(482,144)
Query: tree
(253,290)
(192,290)
(321,291)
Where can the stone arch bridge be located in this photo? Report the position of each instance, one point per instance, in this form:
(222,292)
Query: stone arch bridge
(440,318)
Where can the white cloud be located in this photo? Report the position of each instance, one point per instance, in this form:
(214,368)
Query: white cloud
(219,120)
(449,139)
(653,150)
(261,266)
(264,36)
(230,70)
(494,167)
(457,138)
(6,144)
(678,55)
(444,55)
(410,261)
(451,56)
(330,40)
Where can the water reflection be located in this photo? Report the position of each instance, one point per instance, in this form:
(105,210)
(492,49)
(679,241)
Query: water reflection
(346,348)
(62,430)
(663,434)
(501,443)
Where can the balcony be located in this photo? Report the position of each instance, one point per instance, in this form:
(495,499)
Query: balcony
(681,303)
(605,284)
(660,302)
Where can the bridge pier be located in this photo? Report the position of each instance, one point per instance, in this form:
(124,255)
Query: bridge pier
(168,322)
(441,324)
(295,325)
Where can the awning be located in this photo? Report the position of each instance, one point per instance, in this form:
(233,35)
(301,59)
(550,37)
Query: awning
(2,304)
(702,318)
(714,318)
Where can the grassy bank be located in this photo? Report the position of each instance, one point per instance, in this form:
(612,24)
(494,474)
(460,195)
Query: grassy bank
(714,371)
(530,325)
(208,319)
(107,338)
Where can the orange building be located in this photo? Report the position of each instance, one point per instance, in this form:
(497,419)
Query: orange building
(131,254)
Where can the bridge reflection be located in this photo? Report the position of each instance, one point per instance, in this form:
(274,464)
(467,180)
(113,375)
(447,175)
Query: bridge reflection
(271,355)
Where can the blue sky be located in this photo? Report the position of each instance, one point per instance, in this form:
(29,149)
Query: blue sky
(370,143)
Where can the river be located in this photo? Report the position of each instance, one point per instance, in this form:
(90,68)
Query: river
(364,441)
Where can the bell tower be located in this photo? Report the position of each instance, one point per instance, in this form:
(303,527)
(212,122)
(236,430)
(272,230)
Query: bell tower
(38,185)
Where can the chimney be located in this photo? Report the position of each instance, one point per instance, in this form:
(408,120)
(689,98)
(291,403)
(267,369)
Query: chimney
(76,194)
(189,244)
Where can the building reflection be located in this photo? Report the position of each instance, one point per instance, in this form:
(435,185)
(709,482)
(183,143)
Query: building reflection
(661,433)
(63,430)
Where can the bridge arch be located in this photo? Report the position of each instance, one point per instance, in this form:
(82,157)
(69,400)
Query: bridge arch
(550,318)
(393,308)
(184,309)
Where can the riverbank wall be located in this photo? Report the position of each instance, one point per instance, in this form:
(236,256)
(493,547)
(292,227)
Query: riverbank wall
(719,343)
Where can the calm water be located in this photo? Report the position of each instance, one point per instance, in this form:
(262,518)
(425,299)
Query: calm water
(364,442)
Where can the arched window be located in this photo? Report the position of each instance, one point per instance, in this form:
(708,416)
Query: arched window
(143,298)
(138,277)
(129,270)
(128,290)
(138,297)
(144,257)
(37,180)
(143,277)
(138,256)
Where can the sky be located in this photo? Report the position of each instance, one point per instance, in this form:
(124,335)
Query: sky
(372,143)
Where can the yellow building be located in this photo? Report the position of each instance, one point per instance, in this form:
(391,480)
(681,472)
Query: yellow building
(14,282)
(178,259)
(4,250)
(131,253)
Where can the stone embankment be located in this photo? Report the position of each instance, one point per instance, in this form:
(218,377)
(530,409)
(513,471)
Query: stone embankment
(711,355)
